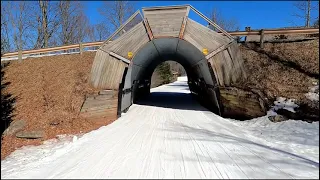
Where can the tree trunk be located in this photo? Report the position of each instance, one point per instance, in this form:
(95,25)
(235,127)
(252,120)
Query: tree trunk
(308,14)
(44,13)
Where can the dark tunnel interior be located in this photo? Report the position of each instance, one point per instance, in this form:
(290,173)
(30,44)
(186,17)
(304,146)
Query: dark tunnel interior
(201,79)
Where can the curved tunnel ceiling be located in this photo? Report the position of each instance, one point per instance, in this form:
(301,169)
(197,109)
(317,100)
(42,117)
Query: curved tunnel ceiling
(163,49)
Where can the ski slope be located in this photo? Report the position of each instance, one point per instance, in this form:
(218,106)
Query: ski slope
(169,136)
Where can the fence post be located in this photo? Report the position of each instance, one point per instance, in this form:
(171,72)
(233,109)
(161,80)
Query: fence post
(247,29)
(80,47)
(261,37)
(20,56)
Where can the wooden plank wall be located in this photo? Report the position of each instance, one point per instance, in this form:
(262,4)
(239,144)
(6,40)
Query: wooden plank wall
(165,22)
(107,71)
(130,41)
(203,37)
(228,65)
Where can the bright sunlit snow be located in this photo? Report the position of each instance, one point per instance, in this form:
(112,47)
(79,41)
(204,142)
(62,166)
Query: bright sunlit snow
(171,136)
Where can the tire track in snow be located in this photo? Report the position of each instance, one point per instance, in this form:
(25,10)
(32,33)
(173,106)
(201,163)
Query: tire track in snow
(249,149)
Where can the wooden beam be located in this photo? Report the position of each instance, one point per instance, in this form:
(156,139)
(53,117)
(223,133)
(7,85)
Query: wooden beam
(164,7)
(184,23)
(125,60)
(278,31)
(120,57)
(147,26)
(219,49)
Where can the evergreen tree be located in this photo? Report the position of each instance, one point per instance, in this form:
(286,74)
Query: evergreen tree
(165,72)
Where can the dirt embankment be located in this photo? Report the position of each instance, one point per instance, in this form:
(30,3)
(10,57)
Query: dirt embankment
(283,69)
(50,91)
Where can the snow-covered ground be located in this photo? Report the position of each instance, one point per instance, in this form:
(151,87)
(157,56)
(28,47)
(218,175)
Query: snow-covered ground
(171,136)
(313,94)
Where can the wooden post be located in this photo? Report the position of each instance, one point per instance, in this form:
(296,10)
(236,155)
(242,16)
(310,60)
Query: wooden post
(80,47)
(261,38)
(20,56)
(247,30)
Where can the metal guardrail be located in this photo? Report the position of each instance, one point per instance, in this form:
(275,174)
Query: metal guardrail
(94,44)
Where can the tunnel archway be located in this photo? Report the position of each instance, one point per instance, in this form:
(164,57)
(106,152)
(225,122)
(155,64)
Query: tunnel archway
(201,80)
(161,34)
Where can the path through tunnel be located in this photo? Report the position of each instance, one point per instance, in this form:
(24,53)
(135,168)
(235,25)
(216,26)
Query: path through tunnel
(201,80)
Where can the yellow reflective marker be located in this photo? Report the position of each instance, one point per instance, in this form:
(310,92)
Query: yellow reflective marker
(130,54)
(205,51)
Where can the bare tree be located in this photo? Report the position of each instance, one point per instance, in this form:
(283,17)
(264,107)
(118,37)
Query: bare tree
(20,23)
(116,12)
(81,29)
(47,22)
(5,42)
(74,23)
(304,10)
(99,32)
(316,23)
(226,24)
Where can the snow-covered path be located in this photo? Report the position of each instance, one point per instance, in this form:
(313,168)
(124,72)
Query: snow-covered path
(162,139)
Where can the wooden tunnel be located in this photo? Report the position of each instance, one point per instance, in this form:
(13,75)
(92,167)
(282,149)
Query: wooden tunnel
(126,60)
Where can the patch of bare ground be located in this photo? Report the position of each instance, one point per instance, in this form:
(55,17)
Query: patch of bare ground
(283,69)
(50,91)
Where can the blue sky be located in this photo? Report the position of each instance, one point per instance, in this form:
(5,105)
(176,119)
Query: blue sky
(256,14)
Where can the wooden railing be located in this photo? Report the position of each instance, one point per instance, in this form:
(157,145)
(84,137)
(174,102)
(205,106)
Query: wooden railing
(81,46)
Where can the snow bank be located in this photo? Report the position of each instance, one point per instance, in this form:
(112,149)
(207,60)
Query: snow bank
(294,136)
(284,103)
(313,94)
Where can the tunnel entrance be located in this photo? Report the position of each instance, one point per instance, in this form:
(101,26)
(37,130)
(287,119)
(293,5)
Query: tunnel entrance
(201,80)
(129,56)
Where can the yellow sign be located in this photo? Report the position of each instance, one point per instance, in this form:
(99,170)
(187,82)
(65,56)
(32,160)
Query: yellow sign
(205,51)
(130,54)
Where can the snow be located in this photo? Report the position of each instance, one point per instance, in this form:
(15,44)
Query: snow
(178,138)
(293,136)
(284,103)
(313,94)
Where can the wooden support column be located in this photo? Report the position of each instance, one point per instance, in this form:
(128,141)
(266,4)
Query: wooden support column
(261,37)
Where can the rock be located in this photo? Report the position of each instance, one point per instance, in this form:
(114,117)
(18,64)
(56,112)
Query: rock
(54,123)
(30,134)
(277,118)
(288,114)
(14,127)
(241,104)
